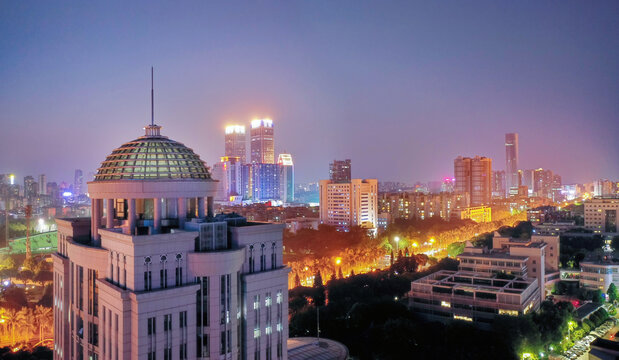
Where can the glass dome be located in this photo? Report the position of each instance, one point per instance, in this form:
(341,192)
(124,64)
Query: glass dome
(152,157)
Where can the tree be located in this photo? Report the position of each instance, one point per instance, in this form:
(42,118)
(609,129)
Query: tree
(598,296)
(612,292)
(297,280)
(43,318)
(15,298)
(318,280)
(340,275)
(10,316)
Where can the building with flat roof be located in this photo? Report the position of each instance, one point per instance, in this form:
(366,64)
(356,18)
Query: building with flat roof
(236,143)
(601,214)
(478,214)
(474,177)
(469,296)
(262,141)
(349,204)
(155,274)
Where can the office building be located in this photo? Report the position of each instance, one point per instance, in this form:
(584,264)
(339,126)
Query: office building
(265,182)
(154,274)
(511,161)
(236,142)
(498,184)
(286,178)
(31,188)
(262,142)
(228,173)
(474,177)
(601,214)
(339,171)
(604,187)
(42,184)
(349,204)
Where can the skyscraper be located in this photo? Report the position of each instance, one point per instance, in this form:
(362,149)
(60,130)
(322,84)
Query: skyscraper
(229,174)
(153,274)
(286,177)
(42,184)
(349,204)
(339,171)
(236,142)
(78,183)
(31,188)
(265,182)
(474,177)
(511,162)
(498,183)
(262,142)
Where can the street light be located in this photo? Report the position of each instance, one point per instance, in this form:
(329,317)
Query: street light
(397,247)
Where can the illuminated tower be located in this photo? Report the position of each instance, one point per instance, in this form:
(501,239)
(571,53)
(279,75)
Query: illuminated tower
(286,177)
(262,142)
(511,162)
(236,142)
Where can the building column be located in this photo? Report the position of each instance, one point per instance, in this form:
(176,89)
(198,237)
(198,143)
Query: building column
(182,212)
(209,210)
(109,216)
(95,219)
(131,216)
(157,215)
(200,207)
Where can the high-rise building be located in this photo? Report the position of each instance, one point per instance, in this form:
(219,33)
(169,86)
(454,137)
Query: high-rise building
(262,142)
(228,171)
(265,182)
(236,142)
(42,184)
(498,184)
(349,204)
(511,162)
(339,171)
(286,177)
(78,182)
(474,177)
(31,188)
(153,274)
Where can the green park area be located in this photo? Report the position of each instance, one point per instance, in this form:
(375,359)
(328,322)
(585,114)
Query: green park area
(40,244)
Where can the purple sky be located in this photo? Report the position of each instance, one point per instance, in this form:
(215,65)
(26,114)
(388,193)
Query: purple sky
(401,88)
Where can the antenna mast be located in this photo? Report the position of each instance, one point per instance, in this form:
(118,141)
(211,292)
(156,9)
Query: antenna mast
(152,97)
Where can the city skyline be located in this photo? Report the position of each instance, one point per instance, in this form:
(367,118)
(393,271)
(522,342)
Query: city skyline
(522,77)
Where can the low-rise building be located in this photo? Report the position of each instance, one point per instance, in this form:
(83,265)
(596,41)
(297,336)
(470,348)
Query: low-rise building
(468,296)
(297,224)
(478,214)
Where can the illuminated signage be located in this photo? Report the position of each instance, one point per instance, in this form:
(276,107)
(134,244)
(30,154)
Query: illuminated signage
(256,123)
(235,129)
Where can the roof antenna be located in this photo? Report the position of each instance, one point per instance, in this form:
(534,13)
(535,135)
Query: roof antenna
(152,98)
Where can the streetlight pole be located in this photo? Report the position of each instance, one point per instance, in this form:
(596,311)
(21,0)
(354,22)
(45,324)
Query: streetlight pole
(397,245)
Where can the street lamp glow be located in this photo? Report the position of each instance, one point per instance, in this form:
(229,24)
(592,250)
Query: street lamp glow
(338,260)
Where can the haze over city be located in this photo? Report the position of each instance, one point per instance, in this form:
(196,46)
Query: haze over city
(401,88)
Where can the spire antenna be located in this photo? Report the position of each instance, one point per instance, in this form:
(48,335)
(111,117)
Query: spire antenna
(152,97)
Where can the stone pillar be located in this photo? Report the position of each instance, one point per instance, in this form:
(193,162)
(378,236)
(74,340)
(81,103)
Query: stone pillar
(131,216)
(182,212)
(157,215)
(209,210)
(200,207)
(109,217)
(96,219)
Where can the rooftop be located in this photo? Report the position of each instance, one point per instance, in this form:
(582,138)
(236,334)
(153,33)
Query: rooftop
(308,348)
(152,157)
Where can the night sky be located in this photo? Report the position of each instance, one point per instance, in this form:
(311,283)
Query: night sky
(401,88)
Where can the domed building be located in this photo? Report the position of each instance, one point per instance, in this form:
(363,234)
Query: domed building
(154,274)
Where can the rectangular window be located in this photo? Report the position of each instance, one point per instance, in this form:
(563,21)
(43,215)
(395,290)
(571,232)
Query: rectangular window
(152,331)
(163,278)
(148,280)
(179,276)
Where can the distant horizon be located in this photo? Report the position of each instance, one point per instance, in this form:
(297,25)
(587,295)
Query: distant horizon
(400,88)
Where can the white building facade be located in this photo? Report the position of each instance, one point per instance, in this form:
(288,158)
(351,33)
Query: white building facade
(349,204)
(155,275)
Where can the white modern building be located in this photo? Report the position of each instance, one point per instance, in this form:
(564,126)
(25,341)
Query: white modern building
(153,274)
(349,204)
